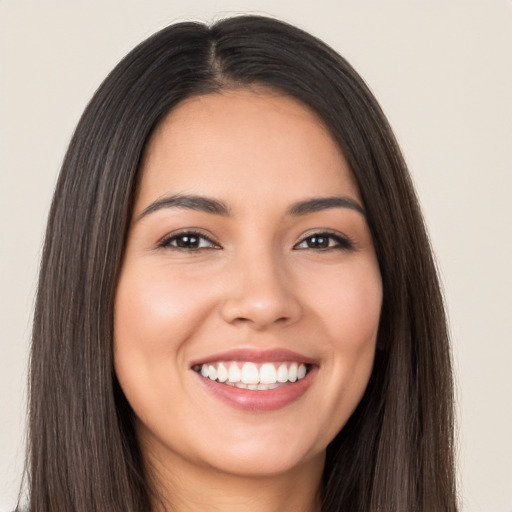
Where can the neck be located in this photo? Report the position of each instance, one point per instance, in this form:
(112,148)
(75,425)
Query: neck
(192,488)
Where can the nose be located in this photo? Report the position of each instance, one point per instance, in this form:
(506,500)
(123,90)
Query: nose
(260,294)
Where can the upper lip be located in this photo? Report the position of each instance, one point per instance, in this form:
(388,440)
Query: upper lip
(274,355)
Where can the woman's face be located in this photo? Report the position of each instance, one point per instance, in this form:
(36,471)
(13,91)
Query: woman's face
(249,264)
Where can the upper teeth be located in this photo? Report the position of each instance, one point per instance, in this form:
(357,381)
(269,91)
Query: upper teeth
(250,374)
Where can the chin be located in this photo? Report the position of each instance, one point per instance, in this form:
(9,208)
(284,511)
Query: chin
(264,463)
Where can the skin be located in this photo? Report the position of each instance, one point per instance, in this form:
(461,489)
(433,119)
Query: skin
(259,285)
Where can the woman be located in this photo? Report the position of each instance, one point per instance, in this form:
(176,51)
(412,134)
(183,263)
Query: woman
(238,307)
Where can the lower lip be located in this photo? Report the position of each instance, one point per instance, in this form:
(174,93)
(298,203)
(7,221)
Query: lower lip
(259,401)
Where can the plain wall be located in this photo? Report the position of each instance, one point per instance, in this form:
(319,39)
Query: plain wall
(443,74)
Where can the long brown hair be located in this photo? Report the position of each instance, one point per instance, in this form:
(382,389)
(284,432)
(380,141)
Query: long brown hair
(395,454)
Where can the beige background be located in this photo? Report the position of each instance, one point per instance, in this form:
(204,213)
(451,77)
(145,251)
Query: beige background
(443,73)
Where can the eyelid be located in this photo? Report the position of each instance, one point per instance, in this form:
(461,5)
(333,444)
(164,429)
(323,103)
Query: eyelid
(164,242)
(344,242)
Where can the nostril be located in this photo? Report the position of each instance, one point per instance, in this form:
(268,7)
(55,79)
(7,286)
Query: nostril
(261,308)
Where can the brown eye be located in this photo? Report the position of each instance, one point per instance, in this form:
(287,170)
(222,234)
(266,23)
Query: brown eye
(318,242)
(325,241)
(189,240)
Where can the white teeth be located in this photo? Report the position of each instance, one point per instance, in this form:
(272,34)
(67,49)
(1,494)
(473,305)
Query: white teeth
(282,373)
(222,373)
(234,374)
(212,372)
(261,387)
(250,374)
(292,372)
(268,376)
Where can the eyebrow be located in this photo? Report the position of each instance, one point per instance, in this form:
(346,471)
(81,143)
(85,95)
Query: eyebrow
(216,207)
(325,203)
(191,202)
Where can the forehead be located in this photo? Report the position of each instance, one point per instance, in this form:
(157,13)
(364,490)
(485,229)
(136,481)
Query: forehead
(244,142)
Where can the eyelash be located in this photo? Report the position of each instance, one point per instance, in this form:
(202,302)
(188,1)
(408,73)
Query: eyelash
(343,242)
(166,242)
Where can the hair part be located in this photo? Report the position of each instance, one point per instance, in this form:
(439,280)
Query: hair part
(396,451)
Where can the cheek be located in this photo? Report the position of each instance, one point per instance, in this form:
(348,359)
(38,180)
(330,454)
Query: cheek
(155,314)
(155,311)
(348,309)
(357,323)
(349,305)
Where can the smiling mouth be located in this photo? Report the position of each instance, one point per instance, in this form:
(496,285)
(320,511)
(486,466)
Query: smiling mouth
(254,376)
